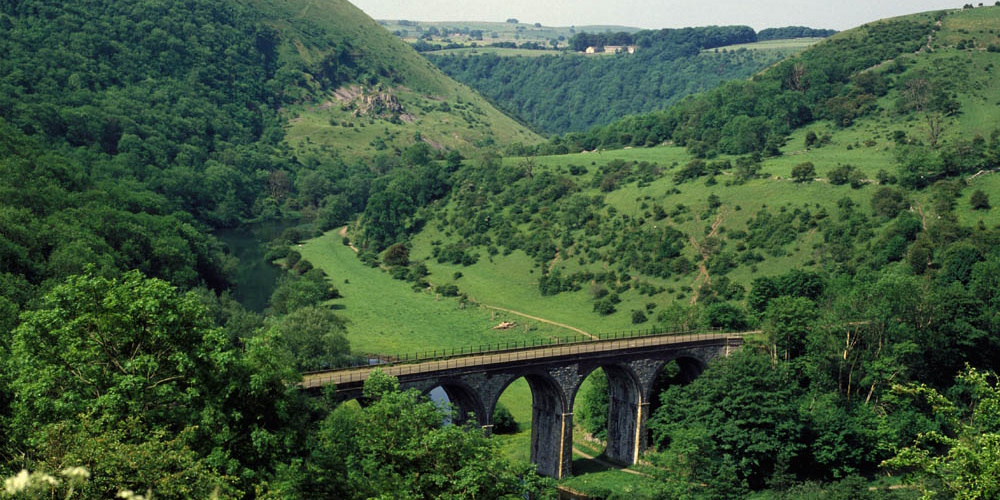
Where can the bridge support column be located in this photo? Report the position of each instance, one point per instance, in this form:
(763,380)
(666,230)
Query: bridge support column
(552,442)
(627,413)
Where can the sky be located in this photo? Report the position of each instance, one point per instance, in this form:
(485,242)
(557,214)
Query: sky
(651,14)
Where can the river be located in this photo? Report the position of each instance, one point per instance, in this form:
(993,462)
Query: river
(255,278)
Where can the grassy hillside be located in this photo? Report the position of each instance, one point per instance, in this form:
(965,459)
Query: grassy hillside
(399,99)
(593,218)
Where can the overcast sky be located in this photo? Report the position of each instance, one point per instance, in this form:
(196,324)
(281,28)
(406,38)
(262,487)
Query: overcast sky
(651,14)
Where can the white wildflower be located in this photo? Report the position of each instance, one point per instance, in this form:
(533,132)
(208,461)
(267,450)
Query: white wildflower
(131,495)
(17,483)
(76,473)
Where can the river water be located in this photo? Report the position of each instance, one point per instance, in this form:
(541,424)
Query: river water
(255,278)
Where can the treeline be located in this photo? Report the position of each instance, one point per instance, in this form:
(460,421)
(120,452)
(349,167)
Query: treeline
(789,32)
(703,38)
(424,46)
(740,117)
(662,40)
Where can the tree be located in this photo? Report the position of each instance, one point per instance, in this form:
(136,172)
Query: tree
(888,202)
(979,200)
(841,175)
(963,461)
(128,346)
(786,323)
(315,337)
(734,428)
(399,447)
(804,172)
(594,404)
(397,255)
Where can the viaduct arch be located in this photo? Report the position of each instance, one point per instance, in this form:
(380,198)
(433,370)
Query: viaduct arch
(554,374)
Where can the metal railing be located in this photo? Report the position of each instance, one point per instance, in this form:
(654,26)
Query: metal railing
(441,360)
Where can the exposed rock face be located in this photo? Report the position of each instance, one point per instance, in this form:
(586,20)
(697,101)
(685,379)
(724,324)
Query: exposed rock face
(379,103)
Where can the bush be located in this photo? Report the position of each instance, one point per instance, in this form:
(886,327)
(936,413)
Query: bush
(397,255)
(503,421)
(639,317)
(804,172)
(449,290)
(889,202)
(604,307)
(979,200)
(841,175)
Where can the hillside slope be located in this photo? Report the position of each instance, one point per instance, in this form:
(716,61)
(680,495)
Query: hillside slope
(661,229)
(574,92)
(397,98)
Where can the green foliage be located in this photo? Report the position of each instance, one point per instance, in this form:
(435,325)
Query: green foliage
(964,462)
(889,202)
(314,336)
(296,291)
(804,172)
(823,82)
(503,421)
(787,321)
(979,200)
(592,405)
(398,446)
(667,66)
(397,255)
(734,429)
(159,343)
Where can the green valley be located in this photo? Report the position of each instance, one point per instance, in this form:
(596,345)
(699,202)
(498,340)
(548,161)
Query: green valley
(835,200)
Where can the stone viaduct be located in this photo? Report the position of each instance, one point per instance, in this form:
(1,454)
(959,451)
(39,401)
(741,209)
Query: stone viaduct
(554,373)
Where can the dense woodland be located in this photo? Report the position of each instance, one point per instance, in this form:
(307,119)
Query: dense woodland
(827,82)
(130,129)
(665,68)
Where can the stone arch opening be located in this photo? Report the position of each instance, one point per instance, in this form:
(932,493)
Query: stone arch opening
(460,403)
(548,413)
(619,395)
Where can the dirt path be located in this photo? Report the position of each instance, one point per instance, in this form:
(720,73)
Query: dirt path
(543,320)
(343,232)
(920,210)
(580,452)
(703,276)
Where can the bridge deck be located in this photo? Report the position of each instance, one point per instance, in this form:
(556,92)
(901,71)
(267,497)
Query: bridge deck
(353,376)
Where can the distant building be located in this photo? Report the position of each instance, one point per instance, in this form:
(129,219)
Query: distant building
(619,49)
(591,50)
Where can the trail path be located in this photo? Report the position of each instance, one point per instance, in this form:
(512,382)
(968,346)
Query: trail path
(543,320)
(607,464)
(703,276)
(923,218)
(343,232)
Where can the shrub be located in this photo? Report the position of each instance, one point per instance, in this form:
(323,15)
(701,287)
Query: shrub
(604,307)
(503,421)
(979,200)
(639,317)
(804,172)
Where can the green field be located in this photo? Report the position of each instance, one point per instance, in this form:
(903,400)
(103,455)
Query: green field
(492,32)
(790,46)
(497,51)
(386,317)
